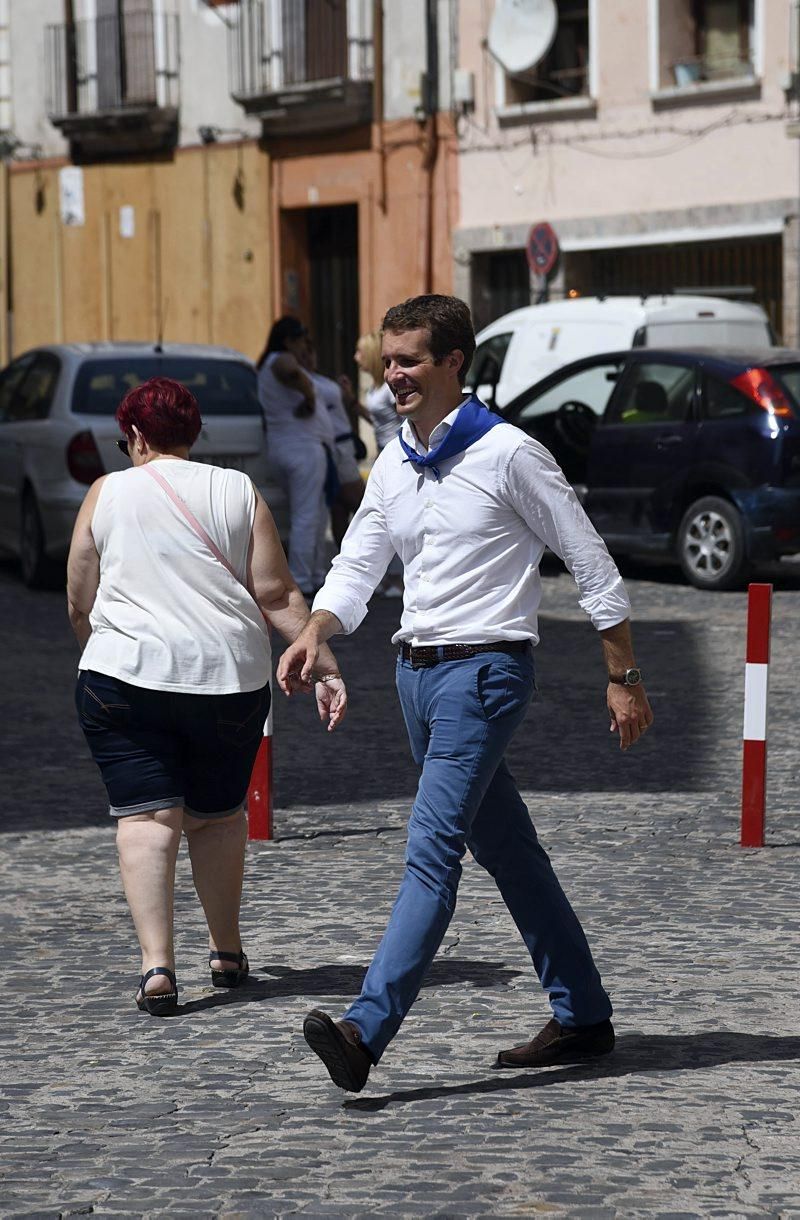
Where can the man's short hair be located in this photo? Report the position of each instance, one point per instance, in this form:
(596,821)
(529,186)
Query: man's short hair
(447,321)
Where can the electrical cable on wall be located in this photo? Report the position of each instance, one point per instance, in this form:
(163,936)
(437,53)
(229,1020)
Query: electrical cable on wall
(535,136)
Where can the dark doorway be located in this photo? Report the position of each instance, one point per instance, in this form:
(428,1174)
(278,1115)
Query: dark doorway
(500,282)
(333,265)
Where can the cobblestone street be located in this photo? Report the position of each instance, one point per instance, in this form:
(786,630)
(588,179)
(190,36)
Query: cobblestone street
(223,1111)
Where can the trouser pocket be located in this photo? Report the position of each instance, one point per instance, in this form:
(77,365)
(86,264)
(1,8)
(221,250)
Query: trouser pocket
(102,700)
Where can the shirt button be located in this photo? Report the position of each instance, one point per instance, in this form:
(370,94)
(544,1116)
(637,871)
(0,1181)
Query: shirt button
(429,503)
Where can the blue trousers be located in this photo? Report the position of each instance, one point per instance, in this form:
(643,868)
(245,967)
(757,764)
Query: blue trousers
(461,716)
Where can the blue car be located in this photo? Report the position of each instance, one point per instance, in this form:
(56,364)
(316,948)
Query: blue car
(690,455)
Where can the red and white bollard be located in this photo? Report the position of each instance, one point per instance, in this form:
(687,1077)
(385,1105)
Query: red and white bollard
(259,794)
(756,671)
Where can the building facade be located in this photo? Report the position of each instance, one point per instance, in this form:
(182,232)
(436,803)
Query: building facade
(191,170)
(657,137)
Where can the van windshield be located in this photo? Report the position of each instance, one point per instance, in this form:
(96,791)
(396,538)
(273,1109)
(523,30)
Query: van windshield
(487,363)
(221,387)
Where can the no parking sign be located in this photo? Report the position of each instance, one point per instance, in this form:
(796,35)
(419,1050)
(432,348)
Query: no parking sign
(542,248)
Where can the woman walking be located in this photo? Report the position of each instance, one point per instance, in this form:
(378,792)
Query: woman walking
(300,443)
(174,567)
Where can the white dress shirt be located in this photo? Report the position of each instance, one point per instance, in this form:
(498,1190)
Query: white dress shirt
(471,542)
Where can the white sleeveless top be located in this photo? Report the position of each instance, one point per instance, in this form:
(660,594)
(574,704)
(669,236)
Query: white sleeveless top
(278,401)
(167,614)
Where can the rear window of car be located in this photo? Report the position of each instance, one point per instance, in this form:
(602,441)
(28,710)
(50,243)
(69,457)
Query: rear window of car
(221,387)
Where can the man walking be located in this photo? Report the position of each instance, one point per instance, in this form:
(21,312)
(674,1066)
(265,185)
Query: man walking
(469,503)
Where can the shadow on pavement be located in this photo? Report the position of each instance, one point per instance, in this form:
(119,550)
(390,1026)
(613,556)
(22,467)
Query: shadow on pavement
(563,746)
(634,1053)
(342,979)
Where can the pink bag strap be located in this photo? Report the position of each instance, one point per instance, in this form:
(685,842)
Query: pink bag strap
(190,517)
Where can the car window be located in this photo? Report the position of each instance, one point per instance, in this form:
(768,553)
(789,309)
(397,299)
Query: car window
(724,401)
(10,380)
(788,376)
(487,363)
(593,387)
(34,395)
(654,393)
(221,387)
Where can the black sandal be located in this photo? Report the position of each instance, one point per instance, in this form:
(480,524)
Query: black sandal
(229,978)
(161,1003)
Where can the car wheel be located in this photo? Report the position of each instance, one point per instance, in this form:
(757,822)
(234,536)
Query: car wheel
(39,571)
(711,547)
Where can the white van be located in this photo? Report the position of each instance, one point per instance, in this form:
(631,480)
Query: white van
(519,349)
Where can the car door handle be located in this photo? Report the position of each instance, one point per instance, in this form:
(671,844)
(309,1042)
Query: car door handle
(671,439)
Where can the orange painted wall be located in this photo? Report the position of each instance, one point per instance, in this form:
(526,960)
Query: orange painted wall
(391,237)
(216,230)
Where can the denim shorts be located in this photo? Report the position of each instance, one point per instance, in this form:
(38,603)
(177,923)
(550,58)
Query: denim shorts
(159,749)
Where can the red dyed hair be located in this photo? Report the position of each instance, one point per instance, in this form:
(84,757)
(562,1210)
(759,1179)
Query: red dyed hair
(164,411)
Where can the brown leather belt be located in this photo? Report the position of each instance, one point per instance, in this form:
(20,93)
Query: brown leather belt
(428,655)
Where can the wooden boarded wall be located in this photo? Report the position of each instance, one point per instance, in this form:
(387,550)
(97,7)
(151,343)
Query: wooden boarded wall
(180,248)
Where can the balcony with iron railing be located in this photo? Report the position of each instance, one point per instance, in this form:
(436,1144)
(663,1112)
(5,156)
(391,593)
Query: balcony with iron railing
(113,82)
(303,65)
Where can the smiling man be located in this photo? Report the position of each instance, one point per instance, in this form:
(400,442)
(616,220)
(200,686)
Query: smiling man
(469,503)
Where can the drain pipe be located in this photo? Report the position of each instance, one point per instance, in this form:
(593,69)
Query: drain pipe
(430,138)
(377,99)
(8,142)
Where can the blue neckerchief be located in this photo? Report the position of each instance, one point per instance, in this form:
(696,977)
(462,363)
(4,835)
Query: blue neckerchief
(472,422)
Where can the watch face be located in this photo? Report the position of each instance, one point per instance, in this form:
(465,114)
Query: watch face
(633,677)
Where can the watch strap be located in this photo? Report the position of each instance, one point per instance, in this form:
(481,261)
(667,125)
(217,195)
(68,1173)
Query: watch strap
(625,679)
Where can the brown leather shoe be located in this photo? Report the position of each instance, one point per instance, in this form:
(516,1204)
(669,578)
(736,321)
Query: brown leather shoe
(554,1044)
(338,1045)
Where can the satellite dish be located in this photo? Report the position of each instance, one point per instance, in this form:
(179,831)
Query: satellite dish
(522,32)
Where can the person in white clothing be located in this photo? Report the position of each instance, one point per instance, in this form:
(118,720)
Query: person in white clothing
(469,503)
(381,411)
(350,492)
(300,444)
(175,573)
(379,400)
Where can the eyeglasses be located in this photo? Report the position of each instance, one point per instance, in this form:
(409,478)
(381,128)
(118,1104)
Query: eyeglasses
(123,448)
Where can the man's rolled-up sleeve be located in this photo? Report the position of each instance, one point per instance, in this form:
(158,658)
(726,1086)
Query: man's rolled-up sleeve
(538,490)
(362,560)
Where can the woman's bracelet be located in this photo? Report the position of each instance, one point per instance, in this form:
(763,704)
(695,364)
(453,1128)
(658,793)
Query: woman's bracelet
(327,677)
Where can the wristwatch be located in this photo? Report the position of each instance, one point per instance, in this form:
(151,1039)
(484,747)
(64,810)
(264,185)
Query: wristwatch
(631,677)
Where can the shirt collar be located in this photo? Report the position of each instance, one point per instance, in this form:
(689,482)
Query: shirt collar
(439,433)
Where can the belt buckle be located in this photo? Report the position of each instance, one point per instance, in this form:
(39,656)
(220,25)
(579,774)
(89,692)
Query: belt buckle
(419,658)
(463,651)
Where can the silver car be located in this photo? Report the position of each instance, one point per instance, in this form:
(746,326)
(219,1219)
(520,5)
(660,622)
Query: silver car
(58,433)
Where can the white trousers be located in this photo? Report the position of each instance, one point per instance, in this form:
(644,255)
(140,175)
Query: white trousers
(302,469)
